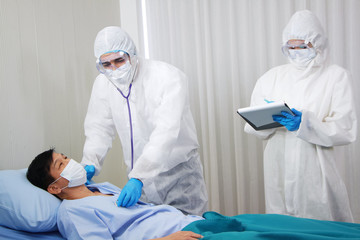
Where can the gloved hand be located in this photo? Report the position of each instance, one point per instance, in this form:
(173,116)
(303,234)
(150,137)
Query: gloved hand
(292,123)
(90,171)
(130,194)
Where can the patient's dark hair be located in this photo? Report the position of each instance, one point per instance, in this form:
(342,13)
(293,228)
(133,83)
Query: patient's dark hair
(38,172)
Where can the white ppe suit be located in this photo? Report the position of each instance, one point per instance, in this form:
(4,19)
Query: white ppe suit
(166,155)
(300,167)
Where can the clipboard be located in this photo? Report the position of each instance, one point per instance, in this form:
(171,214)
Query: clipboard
(260,117)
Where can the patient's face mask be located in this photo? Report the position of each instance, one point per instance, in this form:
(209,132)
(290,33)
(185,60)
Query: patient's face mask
(74,173)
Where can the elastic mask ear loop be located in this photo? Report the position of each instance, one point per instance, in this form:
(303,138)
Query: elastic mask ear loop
(56,181)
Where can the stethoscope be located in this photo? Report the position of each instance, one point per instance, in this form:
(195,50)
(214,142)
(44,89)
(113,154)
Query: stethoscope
(129,111)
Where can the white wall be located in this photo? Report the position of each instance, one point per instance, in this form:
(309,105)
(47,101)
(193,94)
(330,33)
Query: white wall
(47,68)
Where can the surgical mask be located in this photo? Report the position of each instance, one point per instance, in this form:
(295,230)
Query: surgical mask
(121,74)
(302,57)
(74,173)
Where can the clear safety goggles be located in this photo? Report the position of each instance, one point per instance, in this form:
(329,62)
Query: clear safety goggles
(287,47)
(112,60)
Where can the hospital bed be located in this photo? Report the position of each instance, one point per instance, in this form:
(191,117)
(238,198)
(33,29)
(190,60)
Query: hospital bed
(28,212)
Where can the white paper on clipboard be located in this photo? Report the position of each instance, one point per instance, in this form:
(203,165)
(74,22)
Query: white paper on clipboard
(260,117)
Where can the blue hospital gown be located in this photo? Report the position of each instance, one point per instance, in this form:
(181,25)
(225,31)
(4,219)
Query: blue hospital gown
(97,217)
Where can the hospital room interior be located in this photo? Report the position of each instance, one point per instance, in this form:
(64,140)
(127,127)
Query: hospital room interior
(48,69)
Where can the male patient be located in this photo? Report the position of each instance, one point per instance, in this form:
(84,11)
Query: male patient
(90,212)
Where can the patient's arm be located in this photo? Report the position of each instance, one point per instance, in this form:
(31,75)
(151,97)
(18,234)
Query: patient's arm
(181,235)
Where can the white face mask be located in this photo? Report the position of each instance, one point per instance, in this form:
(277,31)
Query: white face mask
(121,74)
(75,173)
(302,57)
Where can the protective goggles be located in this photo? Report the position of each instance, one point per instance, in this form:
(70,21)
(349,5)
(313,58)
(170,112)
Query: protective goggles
(112,60)
(285,49)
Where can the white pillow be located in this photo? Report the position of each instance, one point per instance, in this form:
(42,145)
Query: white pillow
(26,207)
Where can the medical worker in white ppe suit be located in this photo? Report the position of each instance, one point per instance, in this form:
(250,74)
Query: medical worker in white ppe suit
(146,102)
(300,159)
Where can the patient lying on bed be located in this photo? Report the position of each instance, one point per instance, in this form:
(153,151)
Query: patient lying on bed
(90,212)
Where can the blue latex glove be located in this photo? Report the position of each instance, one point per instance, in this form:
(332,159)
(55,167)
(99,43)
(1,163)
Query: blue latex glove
(292,123)
(130,194)
(90,171)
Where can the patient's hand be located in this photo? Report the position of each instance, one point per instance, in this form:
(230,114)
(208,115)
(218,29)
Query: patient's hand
(181,235)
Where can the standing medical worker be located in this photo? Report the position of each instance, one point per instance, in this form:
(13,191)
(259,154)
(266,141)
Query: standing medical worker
(146,102)
(300,159)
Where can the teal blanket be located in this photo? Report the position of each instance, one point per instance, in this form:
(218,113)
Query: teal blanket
(271,226)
